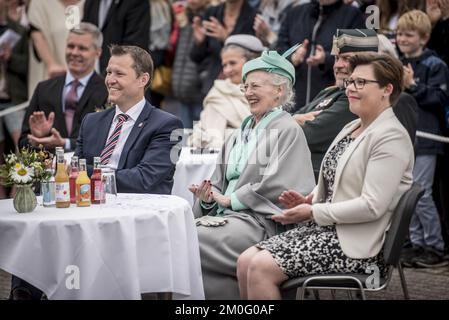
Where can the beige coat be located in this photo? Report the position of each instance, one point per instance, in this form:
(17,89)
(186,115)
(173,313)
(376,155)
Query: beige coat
(371,176)
(225,107)
(49,17)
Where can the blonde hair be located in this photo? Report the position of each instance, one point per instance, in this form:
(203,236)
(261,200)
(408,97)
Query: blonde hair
(415,20)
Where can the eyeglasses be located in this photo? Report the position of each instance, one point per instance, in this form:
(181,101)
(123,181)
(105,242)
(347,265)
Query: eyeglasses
(253,86)
(359,83)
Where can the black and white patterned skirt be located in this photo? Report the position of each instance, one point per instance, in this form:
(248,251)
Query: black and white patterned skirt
(312,249)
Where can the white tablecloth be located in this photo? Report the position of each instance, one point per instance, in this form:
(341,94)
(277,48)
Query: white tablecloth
(192,168)
(142,243)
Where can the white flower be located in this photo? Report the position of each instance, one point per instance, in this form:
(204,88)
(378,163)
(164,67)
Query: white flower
(22,174)
(11,158)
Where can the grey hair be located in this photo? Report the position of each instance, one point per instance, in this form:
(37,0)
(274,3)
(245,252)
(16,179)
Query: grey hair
(385,46)
(287,100)
(89,28)
(247,54)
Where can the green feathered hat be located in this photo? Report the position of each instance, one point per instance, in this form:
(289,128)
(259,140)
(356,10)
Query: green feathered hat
(271,61)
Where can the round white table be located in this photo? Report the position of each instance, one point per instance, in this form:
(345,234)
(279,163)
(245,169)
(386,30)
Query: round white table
(141,243)
(192,168)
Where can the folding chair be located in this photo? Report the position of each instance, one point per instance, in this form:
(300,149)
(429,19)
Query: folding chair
(358,282)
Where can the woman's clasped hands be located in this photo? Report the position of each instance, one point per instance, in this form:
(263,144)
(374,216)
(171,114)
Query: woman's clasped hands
(204,193)
(299,207)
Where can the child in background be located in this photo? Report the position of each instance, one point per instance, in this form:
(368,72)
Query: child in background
(426,78)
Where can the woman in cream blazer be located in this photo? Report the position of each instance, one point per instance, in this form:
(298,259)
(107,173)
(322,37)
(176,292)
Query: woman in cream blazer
(363,175)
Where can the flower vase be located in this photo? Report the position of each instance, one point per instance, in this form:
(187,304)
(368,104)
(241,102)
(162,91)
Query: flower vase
(25,199)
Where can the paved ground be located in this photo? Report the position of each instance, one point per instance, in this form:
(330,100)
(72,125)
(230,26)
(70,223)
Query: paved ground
(5,281)
(423,284)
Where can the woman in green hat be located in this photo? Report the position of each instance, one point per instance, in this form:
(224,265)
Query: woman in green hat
(267,155)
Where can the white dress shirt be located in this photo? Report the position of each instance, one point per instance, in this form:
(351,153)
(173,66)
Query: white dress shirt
(133,114)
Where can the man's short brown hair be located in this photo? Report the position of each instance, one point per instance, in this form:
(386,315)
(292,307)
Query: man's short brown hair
(143,63)
(387,69)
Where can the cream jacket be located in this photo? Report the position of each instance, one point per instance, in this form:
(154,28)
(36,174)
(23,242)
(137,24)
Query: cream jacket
(225,107)
(371,176)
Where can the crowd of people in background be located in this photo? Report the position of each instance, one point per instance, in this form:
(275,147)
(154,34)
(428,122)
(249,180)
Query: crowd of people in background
(200,52)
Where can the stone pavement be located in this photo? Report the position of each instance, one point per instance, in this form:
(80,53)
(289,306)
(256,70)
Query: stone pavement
(423,284)
(5,281)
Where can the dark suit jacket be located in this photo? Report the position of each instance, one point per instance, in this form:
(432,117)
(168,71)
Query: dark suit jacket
(47,97)
(147,162)
(127,23)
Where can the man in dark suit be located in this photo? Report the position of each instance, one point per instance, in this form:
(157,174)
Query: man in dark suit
(134,138)
(59,104)
(121,22)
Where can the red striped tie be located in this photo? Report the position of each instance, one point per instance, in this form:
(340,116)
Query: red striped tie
(113,139)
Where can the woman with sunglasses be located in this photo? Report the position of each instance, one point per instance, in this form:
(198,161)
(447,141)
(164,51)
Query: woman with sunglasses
(364,173)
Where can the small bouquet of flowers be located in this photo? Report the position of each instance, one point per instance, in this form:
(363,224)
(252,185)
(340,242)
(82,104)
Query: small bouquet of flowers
(25,167)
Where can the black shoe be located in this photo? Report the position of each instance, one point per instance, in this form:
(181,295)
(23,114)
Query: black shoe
(409,254)
(431,258)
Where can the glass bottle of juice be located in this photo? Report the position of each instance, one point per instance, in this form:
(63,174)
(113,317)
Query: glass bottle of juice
(96,185)
(82,186)
(72,178)
(62,188)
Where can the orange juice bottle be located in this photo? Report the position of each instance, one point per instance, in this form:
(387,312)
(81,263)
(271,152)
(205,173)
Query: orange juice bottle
(62,187)
(82,186)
